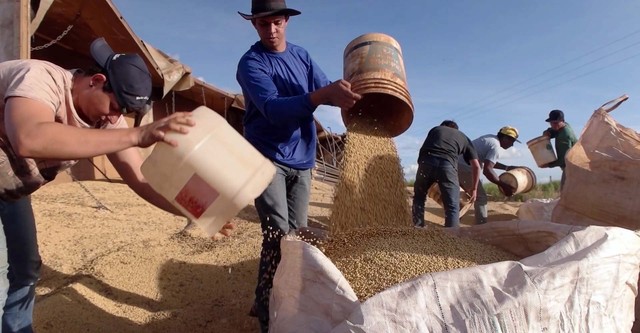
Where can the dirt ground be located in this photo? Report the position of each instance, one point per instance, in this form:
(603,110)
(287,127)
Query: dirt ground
(113,263)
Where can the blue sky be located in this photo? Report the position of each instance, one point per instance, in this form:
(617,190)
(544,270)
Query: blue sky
(484,64)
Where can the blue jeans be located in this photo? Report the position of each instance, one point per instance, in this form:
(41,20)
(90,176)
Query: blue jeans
(19,227)
(4,270)
(437,170)
(282,207)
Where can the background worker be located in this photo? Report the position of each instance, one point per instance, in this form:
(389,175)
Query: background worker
(488,147)
(564,137)
(438,163)
(282,87)
(53,117)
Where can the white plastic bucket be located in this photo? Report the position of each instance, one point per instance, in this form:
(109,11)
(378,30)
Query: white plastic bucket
(542,150)
(212,174)
(522,179)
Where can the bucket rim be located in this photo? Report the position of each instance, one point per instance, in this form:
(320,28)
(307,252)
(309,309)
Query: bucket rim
(538,139)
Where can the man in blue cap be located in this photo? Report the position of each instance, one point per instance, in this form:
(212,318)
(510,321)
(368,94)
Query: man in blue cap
(52,117)
(564,137)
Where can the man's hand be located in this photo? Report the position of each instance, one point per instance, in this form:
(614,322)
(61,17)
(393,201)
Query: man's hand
(506,189)
(472,195)
(226,231)
(157,130)
(336,94)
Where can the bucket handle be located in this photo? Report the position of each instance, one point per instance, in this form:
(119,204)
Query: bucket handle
(613,104)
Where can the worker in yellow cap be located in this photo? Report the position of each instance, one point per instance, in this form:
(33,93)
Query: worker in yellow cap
(488,148)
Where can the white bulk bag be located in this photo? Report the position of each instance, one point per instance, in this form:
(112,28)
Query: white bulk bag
(573,279)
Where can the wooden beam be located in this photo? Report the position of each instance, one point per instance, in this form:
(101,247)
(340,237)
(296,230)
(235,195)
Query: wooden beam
(14,29)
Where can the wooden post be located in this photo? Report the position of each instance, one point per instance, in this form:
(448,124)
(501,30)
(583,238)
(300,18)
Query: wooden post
(14,30)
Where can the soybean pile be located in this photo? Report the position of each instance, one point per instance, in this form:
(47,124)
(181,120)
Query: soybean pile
(374,259)
(372,241)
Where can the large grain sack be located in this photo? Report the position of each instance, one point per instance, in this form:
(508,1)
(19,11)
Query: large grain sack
(537,209)
(572,279)
(602,175)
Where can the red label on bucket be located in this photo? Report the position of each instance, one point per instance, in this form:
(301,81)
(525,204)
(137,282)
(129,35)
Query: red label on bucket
(196,196)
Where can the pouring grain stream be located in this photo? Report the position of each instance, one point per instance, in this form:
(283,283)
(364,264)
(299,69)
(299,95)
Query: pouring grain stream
(371,191)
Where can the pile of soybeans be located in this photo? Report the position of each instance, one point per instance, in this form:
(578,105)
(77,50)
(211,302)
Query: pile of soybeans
(372,241)
(374,259)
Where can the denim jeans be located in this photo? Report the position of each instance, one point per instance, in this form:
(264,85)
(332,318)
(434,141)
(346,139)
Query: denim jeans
(437,170)
(282,207)
(19,227)
(4,270)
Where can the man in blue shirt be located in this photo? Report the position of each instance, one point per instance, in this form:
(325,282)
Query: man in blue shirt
(282,87)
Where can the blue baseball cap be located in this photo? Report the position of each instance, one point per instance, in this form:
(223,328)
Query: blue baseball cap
(127,75)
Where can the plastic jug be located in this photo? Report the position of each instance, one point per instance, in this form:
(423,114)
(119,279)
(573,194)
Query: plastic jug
(212,174)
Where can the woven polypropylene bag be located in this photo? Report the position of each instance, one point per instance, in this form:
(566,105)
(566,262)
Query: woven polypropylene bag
(602,176)
(573,279)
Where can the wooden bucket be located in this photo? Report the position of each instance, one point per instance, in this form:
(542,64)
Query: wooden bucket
(465,203)
(522,179)
(373,65)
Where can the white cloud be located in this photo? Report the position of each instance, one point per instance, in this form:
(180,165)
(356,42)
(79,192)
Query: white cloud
(512,153)
(408,147)
(410,171)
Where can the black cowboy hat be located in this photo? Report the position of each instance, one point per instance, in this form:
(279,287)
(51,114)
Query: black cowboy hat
(264,8)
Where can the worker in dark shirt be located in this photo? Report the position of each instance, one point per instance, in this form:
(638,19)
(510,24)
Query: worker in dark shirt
(438,163)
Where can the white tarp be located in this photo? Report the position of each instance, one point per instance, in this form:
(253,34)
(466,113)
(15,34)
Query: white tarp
(572,279)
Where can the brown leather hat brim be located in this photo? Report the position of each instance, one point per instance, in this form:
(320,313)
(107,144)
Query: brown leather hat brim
(286,11)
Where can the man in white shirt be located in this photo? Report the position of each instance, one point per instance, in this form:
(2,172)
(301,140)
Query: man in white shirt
(488,148)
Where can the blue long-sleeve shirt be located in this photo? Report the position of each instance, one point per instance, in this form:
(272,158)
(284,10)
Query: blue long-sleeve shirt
(278,120)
